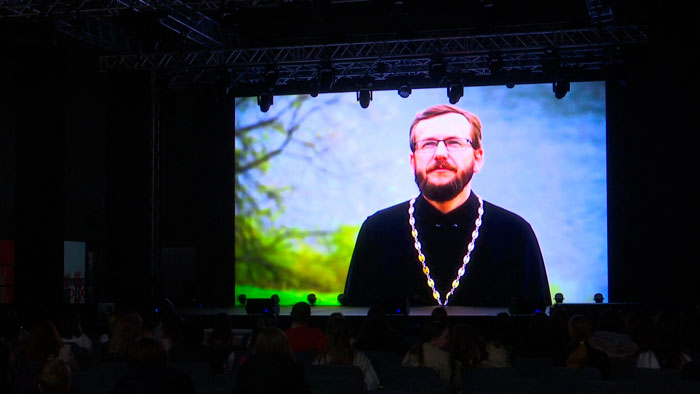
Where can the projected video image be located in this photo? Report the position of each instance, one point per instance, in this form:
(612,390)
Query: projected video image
(311,170)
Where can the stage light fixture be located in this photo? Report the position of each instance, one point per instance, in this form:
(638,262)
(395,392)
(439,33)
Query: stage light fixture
(265,100)
(405,91)
(242,299)
(598,298)
(454,93)
(364,96)
(311,298)
(559,298)
(560,88)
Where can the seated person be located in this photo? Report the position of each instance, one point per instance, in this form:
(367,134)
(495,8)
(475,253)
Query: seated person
(341,351)
(301,336)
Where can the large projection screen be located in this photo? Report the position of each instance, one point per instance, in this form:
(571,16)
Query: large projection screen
(311,169)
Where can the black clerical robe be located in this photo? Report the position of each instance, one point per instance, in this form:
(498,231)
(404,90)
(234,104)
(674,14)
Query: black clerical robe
(506,264)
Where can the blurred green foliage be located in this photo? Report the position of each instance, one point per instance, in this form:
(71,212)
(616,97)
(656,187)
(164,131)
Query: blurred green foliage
(271,257)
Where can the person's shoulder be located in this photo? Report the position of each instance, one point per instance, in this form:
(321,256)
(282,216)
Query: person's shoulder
(500,215)
(393,210)
(392,214)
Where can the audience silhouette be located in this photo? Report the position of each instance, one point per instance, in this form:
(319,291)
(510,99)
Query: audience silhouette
(44,351)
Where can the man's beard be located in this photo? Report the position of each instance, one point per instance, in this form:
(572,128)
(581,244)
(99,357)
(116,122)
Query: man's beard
(446,191)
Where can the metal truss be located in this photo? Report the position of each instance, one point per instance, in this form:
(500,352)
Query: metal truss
(212,56)
(368,62)
(89,20)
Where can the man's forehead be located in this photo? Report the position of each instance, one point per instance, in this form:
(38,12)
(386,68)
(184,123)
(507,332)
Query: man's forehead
(445,124)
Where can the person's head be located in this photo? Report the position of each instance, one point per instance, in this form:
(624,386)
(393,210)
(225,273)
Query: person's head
(272,343)
(340,349)
(43,341)
(338,329)
(467,346)
(54,377)
(222,328)
(301,313)
(174,327)
(376,318)
(438,333)
(580,328)
(446,151)
(127,329)
(439,313)
(193,331)
(147,352)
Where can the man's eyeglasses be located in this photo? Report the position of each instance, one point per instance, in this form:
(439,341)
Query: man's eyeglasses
(451,144)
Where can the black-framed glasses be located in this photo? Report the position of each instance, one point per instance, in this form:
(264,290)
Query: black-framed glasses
(451,144)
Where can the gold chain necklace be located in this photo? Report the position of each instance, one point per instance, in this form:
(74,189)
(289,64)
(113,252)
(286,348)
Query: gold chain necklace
(465,259)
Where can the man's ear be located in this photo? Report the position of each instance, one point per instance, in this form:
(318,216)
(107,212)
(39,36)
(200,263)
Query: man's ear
(478,159)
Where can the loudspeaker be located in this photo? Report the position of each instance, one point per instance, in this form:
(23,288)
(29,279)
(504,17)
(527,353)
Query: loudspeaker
(259,306)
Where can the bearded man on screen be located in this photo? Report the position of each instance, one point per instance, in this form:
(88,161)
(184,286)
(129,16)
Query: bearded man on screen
(447,246)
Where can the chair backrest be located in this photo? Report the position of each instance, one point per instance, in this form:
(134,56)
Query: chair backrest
(531,367)
(607,387)
(382,360)
(488,380)
(568,380)
(305,358)
(686,387)
(650,380)
(622,368)
(334,379)
(200,372)
(414,380)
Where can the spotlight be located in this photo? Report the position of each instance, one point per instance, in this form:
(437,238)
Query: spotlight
(454,93)
(405,91)
(311,298)
(364,96)
(560,88)
(242,299)
(559,298)
(265,101)
(598,298)
(510,85)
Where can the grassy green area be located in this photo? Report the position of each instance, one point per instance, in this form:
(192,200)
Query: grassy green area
(287,297)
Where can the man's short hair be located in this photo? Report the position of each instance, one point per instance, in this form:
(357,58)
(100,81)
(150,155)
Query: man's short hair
(301,312)
(441,109)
